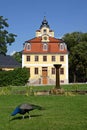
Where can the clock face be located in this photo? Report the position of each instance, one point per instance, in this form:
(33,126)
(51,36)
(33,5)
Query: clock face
(45,38)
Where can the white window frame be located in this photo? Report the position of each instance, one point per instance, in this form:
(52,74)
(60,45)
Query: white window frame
(28,46)
(45,46)
(62,46)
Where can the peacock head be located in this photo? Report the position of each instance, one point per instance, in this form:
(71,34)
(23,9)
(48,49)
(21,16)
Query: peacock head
(16,111)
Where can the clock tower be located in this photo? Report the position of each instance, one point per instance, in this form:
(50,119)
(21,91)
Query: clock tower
(45,31)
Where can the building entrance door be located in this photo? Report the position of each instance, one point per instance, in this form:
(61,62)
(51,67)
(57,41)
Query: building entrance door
(44,75)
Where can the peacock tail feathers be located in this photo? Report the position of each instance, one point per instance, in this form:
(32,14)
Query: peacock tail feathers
(36,107)
(29,106)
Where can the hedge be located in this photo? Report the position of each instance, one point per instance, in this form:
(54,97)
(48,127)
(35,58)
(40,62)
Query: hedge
(16,77)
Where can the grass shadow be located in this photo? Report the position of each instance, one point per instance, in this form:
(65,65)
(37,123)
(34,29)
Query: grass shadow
(25,117)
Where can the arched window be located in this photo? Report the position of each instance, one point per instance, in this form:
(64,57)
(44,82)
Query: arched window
(28,46)
(45,46)
(61,46)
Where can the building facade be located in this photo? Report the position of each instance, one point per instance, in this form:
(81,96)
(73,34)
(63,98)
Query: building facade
(41,53)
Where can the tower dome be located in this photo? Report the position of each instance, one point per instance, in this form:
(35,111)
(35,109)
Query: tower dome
(44,23)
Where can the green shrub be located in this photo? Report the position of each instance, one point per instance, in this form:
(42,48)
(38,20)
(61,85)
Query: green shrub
(18,76)
(5,90)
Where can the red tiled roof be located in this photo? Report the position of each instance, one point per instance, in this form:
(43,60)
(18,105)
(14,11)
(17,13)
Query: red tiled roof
(55,40)
(34,40)
(37,46)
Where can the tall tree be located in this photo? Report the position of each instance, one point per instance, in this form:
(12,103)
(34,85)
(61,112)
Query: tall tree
(5,36)
(77,46)
(78,62)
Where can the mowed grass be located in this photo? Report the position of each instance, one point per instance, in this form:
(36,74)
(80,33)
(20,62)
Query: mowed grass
(60,113)
(69,87)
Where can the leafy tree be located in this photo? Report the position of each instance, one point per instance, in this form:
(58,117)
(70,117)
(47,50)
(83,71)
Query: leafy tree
(78,62)
(77,46)
(72,39)
(5,36)
(18,56)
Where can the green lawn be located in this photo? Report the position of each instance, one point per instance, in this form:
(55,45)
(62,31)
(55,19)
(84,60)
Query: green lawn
(61,113)
(65,87)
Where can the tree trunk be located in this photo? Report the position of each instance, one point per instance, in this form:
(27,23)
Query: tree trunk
(74,77)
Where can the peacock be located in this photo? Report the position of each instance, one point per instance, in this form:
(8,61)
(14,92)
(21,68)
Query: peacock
(25,108)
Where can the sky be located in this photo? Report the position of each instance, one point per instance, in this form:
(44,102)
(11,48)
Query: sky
(25,17)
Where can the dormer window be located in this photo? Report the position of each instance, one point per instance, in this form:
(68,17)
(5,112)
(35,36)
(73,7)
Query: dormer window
(45,46)
(61,46)
(28,47)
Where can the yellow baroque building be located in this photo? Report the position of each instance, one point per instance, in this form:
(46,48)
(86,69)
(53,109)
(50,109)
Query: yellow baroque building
(41,53)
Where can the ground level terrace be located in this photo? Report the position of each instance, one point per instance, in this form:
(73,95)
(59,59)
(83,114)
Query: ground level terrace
(46,75)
